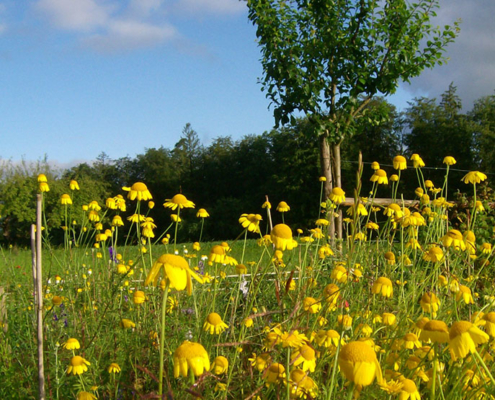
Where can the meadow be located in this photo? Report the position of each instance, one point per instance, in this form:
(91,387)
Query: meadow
(402,307)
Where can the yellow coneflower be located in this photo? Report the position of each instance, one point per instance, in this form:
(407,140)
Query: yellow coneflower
(331,293)
(138,297)
(449,160)
(306,356)
(260,361)
(293,339)
(429,303)
(217,254)
(85,396)
(474,177)
(464,293)
(380,177)
(114,368)
(302,386)
(337,195)
(78,365)
(400,163)
(417,161)
(454,239)
(190,355)
(463,339)
(389,319)
(281,236)
(358,364)
(311,305)
(274,373)
(178,201)
(251,222)
(434,254)
(220,365)
(283,207)
(138,191)
(489,323)
(390,257)
(409,390)
(436,331)
(176,271)
(339,273)
(72,344)
(214,324)
(127,323)
(383,286)
(411,341)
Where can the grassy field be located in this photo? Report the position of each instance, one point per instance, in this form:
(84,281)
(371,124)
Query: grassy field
(403,308)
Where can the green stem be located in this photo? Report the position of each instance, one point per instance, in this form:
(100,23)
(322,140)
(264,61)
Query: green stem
(162,339)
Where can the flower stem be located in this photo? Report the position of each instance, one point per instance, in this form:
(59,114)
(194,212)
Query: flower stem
(162,339)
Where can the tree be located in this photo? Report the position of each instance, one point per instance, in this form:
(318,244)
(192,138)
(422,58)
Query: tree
(483,117)
(328,58)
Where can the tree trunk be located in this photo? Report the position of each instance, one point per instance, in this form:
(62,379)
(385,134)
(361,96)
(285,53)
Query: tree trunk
(336,172)
(326,171)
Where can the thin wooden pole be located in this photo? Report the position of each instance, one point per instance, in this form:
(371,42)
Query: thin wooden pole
(38,294)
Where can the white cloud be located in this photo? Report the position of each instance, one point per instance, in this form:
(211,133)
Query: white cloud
(78,15)
(472,55)
(218,7)
(122,35)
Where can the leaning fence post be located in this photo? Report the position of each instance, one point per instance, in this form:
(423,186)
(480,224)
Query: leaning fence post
(38,293)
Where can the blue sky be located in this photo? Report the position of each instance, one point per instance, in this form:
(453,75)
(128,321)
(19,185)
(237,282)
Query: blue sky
(80,77)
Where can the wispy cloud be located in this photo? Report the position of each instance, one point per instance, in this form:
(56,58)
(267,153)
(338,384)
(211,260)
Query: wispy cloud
(472,55)
(112,26)
(218,7)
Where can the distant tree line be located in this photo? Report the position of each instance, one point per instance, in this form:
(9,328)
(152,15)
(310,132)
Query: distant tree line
(229,177)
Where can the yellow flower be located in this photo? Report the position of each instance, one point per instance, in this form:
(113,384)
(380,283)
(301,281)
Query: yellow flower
(449,160)
(324,251)
(383,286)
(464,293)
(260,362)
(78,365)
(93,216)
(202,213)
(411,341)
(44,187)
(330,338)
(375,165)
(429,303)
(393,210)
(380,177)
(358,364)
(394,178)
(196,246)
(110,203)
(474,177)
(311,305)
(390,257)
(434,254)
(337,195)
(322,179)
(389,319)
(178,201)
(281,236)
(283,207)
(463,339)
(361,210)
(267,205)
(306,356)
(217,254)
(331,293)
(292,339)
(339,273)
(42,178)
(114,368)
(138,191)
(489,320)
(190,355)
(479,206)
(275,373)
(127,323)
(85,396)
(72,344)
(372,225)
(454,238)
(214,324)
(220,365)
(302,385)
(117,221)
(417,161)
(251,222)
(176,271)
(409,390)
(139,297)
(65,200)
(435,331)
(400,162)
(151,205)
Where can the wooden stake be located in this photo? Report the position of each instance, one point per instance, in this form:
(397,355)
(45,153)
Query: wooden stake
(38,293)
